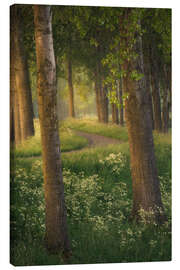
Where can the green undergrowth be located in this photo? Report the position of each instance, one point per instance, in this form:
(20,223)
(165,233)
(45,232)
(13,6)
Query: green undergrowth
(92,126)
(32,146)
(98,194)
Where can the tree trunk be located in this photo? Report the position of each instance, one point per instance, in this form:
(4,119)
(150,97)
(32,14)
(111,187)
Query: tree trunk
(22,79)
(155,93)
(121,109)
(146,190)
(165,106)
(96,88)
(15,132)
(105,105)
(147,73)
(56,217)
(71,90)
(103,100)
(115,119)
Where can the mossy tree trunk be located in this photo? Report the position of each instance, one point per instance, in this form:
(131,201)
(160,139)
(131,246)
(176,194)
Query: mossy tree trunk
(56,217)
(145,182)
(22,77)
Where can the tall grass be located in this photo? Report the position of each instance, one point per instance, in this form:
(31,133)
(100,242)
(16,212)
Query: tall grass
(92,126)
(32,146)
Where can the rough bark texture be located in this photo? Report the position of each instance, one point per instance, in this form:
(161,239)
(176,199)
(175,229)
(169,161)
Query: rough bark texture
(146,190)
(71,90)
(56,217)
(22,79)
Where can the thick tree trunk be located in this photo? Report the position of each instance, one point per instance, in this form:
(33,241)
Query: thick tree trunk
(22,79)
(56,217)
(70,86)
(146,190)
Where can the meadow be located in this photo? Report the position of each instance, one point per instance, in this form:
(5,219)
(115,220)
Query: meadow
(98,194)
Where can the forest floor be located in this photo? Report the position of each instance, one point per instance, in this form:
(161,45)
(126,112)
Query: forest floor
(98,193)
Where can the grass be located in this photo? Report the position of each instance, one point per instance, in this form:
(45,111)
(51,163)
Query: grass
(92,126)
(32,146)
(98,195)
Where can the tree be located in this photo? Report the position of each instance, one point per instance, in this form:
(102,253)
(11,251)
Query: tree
(146,190)
(70,86)
(56,218)
(21,74)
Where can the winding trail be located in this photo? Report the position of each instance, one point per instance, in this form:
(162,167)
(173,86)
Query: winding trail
(94,140)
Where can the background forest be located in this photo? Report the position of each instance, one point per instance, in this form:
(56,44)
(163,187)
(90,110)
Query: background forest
(92,83)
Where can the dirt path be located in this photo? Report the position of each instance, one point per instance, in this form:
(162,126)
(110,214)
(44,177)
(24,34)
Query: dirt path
(94,141)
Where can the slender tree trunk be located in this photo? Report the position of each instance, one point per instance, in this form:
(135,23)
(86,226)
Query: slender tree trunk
(12,131)
(22,79)
(103,100)
(115,119)
(165,106)
(15,131)
(71,90)
(156,93)
(105,105)
(146,190)
(96,88)
(121,109)
(147,72)
(56,217)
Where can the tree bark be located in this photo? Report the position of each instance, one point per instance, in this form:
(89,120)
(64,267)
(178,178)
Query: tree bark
(155,93)
(96,89)
(115,119)
(121,109)
(165,106)
(146,190)
(15,132)
(103,100)
(56,216)
(70,86)
(22,78)
(147,73)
